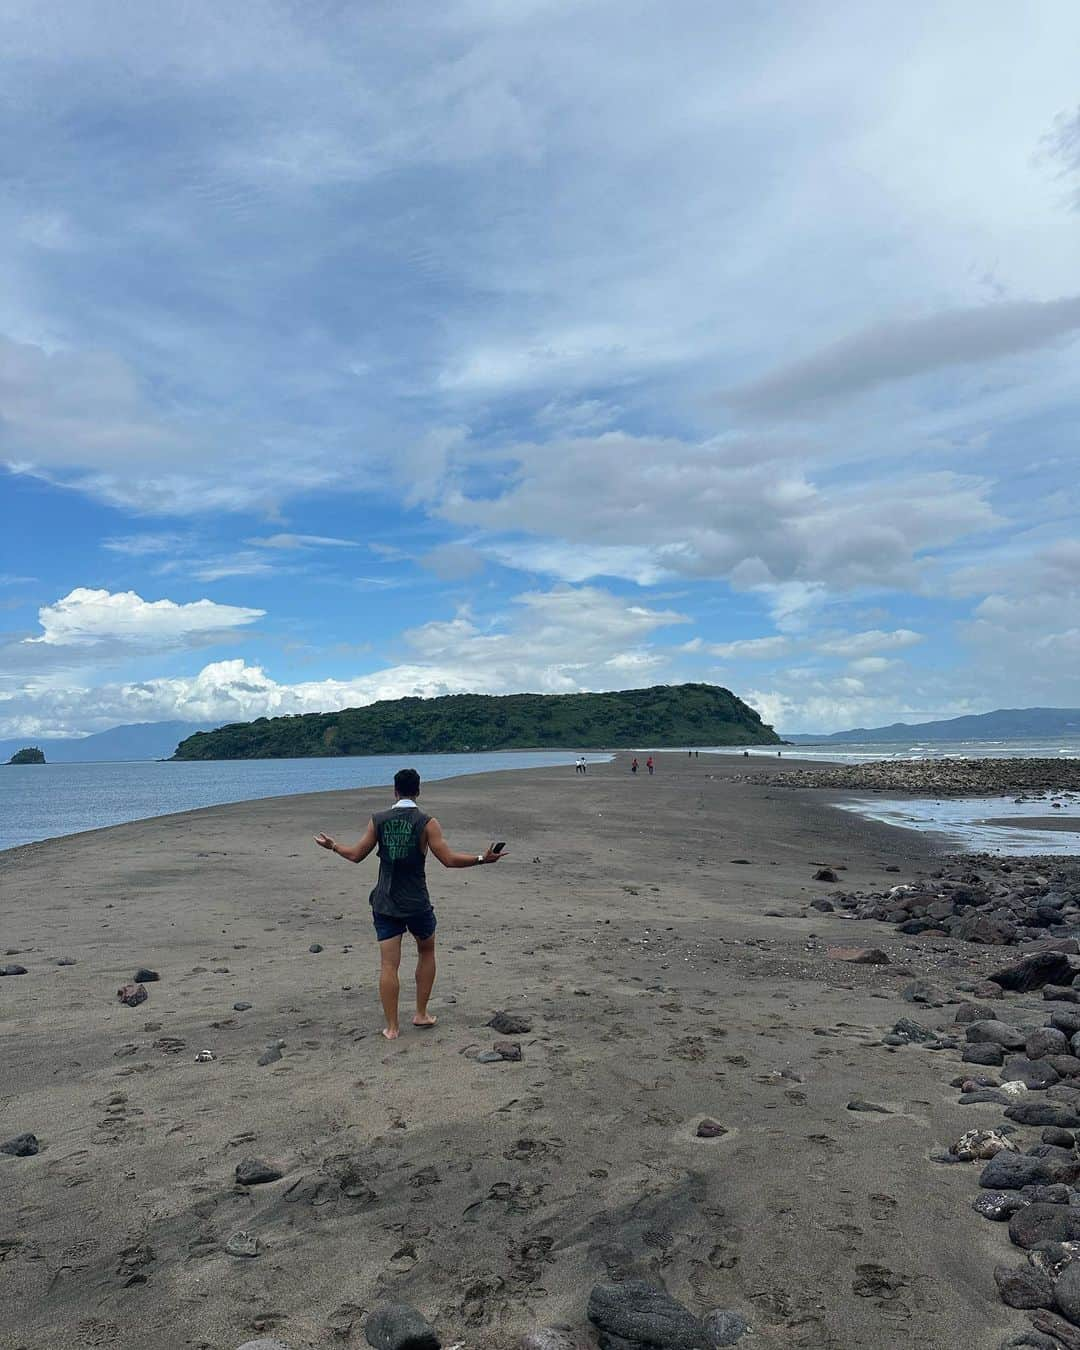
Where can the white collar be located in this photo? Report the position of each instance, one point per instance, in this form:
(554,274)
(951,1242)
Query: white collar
(403,801)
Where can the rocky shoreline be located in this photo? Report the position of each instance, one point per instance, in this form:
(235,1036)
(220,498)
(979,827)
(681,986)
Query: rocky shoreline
(979,897)
(1027,1064)
(937,777)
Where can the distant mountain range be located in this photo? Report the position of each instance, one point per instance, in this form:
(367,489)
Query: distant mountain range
(141,740)
(1004,724)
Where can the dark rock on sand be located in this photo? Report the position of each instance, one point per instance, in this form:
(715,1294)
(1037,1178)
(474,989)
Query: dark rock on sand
(1030,1340)
(132,994)
(1043,1113)
(710,1129)
(510,1050)
(1058,1137)
(984,1053)
(859,956)
(912,1033)
(825,874)
(256,1172)
(998,1205)
(270,1055)
(1024,1287)
(1056,993)
(510,1024)
(1067,1292)
(923,991)
(981,1095)
(65,961)
(12,970)
(22,1146)
(995,1033)
(1036,1074)
(241,1007)
(396,1326)
(1010,1171)
(724,1326)
(263,1343)
(1068,1022)
(315,948)
(857,1104)
(1043,1223)
(489,1057)
(1045,1042)
(144,975)
(242,1244)
(1032,972)
(643,1315)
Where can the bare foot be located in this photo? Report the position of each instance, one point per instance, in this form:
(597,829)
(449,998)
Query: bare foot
(424,1020)
(391,1033)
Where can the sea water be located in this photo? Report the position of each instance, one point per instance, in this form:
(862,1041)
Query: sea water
(44,801)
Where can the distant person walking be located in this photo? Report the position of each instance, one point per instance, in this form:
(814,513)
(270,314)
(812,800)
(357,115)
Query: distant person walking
(633,765)
(400,901)
(579,767)
(649,765)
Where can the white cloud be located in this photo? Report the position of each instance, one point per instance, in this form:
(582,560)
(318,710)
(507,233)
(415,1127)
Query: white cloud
(902,348)
(556,641)
(869,643)
(751,649)
(650,508)
(299,541)
(84,618)
(142,545)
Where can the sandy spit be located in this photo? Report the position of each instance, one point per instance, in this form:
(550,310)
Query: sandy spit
(630,924)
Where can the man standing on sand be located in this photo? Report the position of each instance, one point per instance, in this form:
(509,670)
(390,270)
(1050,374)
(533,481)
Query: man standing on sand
(400,901)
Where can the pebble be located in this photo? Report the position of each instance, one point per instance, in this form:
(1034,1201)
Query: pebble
(859,956)
(510,1024)
(857,1104)
(242,1244)
(144,975)
(132,995)
(550,1338)
(12,970)
(488,1057)
(825,874)
(315,947)
(396,1326)
(710,1129)
(241,1007)
(724,1326)
(509,1050)
(65,961)
(270,1055)
(21,1146)
(256,1172)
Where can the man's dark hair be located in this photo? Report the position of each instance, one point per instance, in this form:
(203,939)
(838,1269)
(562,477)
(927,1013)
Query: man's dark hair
(406,782)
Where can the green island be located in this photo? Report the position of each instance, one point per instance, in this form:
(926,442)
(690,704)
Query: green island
(682,714)
(29,755)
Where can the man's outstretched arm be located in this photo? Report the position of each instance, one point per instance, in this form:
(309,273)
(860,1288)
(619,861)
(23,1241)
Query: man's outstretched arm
(436,841)
(358,852)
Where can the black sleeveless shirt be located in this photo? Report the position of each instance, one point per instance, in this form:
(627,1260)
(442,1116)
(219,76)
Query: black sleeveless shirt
(401,891)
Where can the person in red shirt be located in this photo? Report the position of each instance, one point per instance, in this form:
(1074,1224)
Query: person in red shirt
(649,765)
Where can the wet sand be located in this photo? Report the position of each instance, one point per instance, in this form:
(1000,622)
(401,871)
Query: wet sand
(630,924)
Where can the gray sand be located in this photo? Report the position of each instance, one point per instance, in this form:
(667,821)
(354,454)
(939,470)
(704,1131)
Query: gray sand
(492,1196)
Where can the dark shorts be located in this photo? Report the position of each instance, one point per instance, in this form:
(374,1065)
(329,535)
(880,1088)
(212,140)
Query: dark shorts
(421,926)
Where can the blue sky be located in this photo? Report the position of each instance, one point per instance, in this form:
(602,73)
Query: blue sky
(349,352)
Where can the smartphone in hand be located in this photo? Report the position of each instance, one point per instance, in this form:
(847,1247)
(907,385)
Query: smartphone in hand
(498,848)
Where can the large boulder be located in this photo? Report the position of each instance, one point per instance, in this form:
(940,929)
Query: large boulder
(1047,1041)
(995,1033)
(644,1316)
(1044,1113)
(1044,1223)
(1035,1074)
(1067,1292)
(1024,1287)
(1011,1171)
(1032,972)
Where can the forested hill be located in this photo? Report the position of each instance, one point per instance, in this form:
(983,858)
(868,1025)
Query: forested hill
(684,714)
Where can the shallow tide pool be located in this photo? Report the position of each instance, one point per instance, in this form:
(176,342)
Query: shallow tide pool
(984,824)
